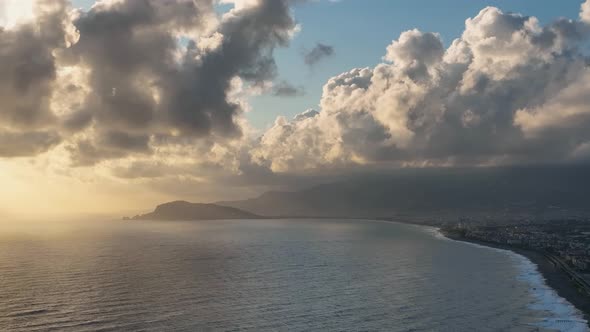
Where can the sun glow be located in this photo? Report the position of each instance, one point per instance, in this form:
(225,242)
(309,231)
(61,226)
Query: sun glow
(28,191)
(13,12)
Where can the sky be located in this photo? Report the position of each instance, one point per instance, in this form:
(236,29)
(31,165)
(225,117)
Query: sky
(345,25)
(116,106)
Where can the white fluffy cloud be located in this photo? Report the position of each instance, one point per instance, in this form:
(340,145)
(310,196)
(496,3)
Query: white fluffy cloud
(585,12)
(507,91)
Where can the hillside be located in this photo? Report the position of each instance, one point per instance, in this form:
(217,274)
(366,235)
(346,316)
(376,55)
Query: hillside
(550,192)
(181,210)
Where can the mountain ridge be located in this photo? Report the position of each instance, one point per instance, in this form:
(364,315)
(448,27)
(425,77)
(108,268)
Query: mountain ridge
(522,192)
(414,195)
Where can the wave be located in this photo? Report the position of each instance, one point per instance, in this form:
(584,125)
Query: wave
(561,315)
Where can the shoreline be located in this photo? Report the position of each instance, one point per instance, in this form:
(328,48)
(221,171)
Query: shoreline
(553,276)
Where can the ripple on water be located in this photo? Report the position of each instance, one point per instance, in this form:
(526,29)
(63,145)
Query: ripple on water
(295,275)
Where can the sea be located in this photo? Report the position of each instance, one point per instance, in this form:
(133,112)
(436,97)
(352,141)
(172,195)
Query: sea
(266,275)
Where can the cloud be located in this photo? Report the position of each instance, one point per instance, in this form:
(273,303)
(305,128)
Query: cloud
(317,54)
(508,91)
(286,89)
(585,12)
(152,93)
(567,110)
(416,52)
(310,113)
(13,12)
(28,70)
(128,77)
(25,144)
(144,83)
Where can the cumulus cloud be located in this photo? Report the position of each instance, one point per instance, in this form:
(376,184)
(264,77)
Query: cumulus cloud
(507,91)
(585,12)
(144,85)
(28,70)
(129,77)
(317,54)
(569,109)
(416,52)
(154,90)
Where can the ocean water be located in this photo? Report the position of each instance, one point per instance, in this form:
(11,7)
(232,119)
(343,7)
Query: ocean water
(266,275)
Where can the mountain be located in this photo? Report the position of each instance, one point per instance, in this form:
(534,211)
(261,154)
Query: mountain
(535,192)
(181,210)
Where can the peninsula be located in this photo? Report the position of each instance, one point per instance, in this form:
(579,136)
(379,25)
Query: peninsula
(182,210)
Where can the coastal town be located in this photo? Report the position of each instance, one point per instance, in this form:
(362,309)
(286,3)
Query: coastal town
(566,243)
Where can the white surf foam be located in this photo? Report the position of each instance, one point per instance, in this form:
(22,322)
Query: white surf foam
(561,315)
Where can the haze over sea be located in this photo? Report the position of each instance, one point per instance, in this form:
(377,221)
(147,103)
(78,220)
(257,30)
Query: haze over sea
(295,275)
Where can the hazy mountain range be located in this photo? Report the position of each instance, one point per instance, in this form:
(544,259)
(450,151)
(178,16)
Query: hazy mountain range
(547,192)
(423,194)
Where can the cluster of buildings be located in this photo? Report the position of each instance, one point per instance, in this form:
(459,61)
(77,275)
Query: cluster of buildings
(567,239)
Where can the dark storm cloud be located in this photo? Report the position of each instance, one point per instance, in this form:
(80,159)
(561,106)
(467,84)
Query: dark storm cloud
(27,73)
(132,52)
(317,54)
(27,66)
(198,98)
(140,85)
(22,144)
(108,145)
(129,46)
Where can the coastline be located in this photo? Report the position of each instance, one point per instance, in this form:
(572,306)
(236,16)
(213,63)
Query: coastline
(548,281)
(553,276)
